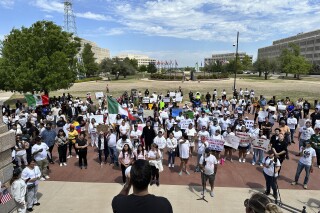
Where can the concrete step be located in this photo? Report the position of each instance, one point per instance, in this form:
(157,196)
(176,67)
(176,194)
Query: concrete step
(5,158)
(7,141)
(3,128)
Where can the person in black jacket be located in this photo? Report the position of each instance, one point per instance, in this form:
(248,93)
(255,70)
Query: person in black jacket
(306,107)
(103,147)
(148,134)
(279,146)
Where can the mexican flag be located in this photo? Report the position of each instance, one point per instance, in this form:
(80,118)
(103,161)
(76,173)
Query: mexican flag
(114,108)
(36,100)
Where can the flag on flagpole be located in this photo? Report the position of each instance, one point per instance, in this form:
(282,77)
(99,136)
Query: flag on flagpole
(5,196)
(114,108)
(36,100)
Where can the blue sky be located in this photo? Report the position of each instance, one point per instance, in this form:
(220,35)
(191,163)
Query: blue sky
(182,30)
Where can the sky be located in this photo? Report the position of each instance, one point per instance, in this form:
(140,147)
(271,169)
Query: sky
(183,30)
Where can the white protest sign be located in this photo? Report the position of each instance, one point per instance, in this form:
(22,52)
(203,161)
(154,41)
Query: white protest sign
(172,94)
(99,95)
(249,123)
(98,118)
(184,124)
(272,108)
(146,100)
(178,94)
(141,126)
(153,100)
(215,144)
(260,143)
(179,99)
(166,100)
(232,141)
(282,107)
(147,113)
(244,137)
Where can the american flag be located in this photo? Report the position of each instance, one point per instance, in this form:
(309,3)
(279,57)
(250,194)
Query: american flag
(5,196)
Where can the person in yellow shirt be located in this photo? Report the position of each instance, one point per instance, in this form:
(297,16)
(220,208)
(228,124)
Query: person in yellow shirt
(72,136)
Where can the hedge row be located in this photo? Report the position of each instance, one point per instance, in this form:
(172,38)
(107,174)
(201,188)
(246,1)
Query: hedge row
(165,77)
(88,79)
(213,76)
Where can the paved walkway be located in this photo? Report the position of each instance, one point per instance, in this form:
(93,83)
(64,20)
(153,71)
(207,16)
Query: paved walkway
(4,96)
(96,197)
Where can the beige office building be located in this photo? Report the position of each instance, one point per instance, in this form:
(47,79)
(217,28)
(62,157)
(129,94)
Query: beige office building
(225,57)
(142,59)
(99,53)
(309,44)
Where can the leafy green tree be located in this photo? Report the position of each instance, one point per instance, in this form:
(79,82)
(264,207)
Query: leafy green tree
(143,68)
(246,63)
(41,57)
(105,65)
(152,68)
(262,66)
(91,67)
(297,66)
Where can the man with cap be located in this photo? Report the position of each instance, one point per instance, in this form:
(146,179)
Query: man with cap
(308,155)
(209,165)
(315,142)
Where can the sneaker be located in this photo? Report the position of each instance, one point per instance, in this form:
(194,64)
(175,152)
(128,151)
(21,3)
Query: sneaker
(60,164)
(231,160)
(248,152)
(69,156)
(172,165)
(169,165)
(211,194)
(64,164)
(37,204)
(243,160)
(29,209)
(77,156)
(42,179)
(180,173)
(305,186)
(218,161)
(202,192)
(253,163)
(266,193)
(240,160)
(261,164)
(294,183)
(187,172)
(151,182)
(46,177)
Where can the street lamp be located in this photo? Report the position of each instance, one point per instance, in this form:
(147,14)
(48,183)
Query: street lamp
(235,70)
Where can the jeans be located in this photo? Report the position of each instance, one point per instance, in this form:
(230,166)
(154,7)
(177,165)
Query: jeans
(171,157)
(302,142)
(43,166)
(257,155)
(113,154)
(62,150)
(32,196)
(292,134)
(106,154)
(271,183)
(300,167)
(83,157)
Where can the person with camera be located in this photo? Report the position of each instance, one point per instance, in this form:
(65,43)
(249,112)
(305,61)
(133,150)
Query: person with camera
(140,200)
(308,156)
(31,175)
(271,167)
(39,152)
(208,165)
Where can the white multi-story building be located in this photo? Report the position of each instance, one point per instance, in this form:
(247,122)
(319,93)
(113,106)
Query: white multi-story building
(225,57)
(142,59)
(309,44)
(99,53)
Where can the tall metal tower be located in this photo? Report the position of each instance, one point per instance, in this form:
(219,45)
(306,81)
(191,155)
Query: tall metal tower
(69,18)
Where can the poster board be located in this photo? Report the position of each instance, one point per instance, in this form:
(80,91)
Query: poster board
(215,144)
(99,95)
(184,124)
(232,141)
(260,143)
(244,137)
(282,107)
(172,94)
(98,118)
(176,111)
(147,113)
(272,108)
(166,100)
(145,100)
(178,94)
(179,99)
(249,123)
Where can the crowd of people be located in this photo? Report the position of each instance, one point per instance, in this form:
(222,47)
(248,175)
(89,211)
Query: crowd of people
(69,124)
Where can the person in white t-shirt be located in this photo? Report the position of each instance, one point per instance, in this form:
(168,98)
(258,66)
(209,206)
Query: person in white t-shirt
(292,122)
(209,165)
(184,148)
(39,152)
(154,157)
(305,133)
(18,190)
(203,121)
(227,149)
(171,146)
(271,167)
(21,153)
(123,128)
(92,130)
(192,135)
(202,145)
(306,163)
(160,141)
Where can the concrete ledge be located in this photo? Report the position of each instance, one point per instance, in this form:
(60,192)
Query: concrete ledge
(6,173)
(7,141)
(3,129)
(5,158)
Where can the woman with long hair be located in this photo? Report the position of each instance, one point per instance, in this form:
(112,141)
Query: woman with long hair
(154,157)
(81,145)
(171,145)
(31,174)
(72,137)
(125,158)
(140,153)
(103,147)
(243,147)
(227,149)
(61,142)
(18,190)
(184,148)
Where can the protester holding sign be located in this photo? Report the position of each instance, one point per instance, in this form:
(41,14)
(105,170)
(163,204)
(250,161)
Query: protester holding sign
(219,146)
(228,149)
(258,153)
(244,144)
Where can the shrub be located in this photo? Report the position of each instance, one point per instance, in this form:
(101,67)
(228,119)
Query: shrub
(88,79)
(158,76)
(213,76)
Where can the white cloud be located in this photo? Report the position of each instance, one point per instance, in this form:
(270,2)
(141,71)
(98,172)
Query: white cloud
(57,6)
(7,3)
(217,20)
(102,31)
(48,16)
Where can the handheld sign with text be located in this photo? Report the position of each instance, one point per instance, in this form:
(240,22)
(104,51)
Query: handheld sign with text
(98,118)
(166,100)
(99,95)
(147,113)
(249,123)
(184,124)
(172,94)
(232,141)
(146,100)
(260,143)
(216,145)
(244,137)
